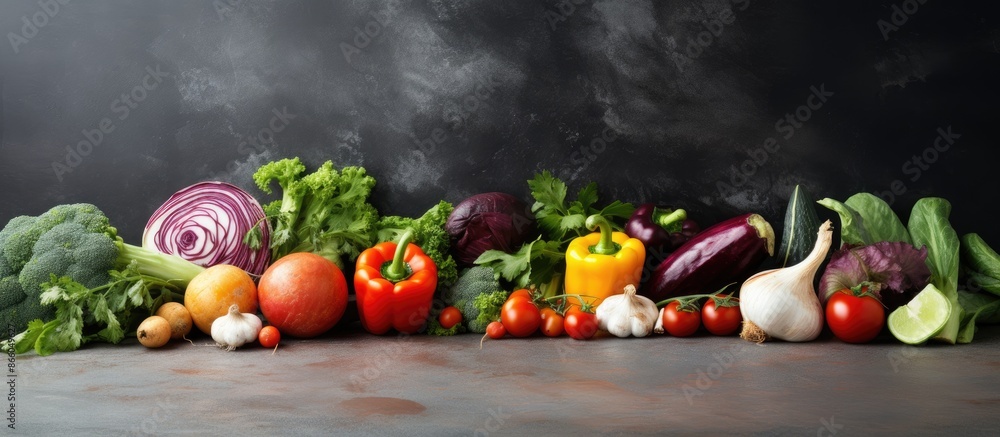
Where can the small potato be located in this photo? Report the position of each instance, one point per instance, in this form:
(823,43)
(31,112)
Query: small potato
(153,332)
(179,318)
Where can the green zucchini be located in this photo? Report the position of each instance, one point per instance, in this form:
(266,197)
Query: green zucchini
(799,233)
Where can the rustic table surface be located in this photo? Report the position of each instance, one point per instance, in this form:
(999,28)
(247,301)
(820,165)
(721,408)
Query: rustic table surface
(358,384)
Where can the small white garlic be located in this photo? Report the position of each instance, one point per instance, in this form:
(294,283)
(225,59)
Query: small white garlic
(235,328)
(782,303)
(627,314)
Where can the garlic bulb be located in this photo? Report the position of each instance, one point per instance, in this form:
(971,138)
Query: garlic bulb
(627,314)
(235,329)
(782,303)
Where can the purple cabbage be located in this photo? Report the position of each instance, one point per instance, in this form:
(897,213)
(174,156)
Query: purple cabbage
(489,221)
(898,271)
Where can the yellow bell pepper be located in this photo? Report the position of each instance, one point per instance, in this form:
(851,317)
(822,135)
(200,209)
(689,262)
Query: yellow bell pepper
(602,263)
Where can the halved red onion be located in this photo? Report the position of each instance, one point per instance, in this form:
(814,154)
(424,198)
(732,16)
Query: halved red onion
(205,224)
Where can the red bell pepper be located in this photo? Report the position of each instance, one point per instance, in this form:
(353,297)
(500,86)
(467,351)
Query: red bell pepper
(394,284)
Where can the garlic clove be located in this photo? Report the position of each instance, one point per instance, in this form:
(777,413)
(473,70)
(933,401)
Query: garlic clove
(627,314)
(235,329)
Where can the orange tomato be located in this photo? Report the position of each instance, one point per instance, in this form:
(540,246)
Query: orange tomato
(209,295)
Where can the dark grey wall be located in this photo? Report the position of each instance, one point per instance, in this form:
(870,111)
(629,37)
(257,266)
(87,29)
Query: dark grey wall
(655,100)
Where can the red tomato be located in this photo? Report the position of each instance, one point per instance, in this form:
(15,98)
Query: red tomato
(496,330)
(580,325)
(546,312)
(552,323)
(680,323)
(519,294)
(302,294)
(269,336)
(449,317)
(854,319)
(721,320)
(520,317)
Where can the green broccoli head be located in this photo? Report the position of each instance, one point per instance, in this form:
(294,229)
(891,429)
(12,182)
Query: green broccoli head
(75,240)
(17,308)
(479,297)
(472,282)
(69,250)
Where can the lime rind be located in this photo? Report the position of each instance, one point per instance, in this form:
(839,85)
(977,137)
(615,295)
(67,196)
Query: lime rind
(920,319)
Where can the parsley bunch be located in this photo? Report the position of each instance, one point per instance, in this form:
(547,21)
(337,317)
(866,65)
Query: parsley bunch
(542,261)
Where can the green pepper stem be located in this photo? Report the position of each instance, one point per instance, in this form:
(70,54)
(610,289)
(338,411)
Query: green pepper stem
(671,221)
(398,270)
(606,246)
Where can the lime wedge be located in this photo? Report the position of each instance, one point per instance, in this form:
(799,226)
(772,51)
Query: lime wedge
(921,318)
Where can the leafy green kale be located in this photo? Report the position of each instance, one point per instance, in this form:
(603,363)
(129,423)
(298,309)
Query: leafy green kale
(325,212)
(428,233)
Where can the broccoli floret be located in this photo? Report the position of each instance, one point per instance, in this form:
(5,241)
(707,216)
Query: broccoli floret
(478,296)
(74,241)
(430,235)
(434,328)
(488,305)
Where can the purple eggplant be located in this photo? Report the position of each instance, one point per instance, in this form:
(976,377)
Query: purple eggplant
(726,252)
(660,228)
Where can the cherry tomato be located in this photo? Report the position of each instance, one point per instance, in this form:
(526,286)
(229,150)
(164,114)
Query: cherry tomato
(579,324)
(520,317)
(552,323)
(496,330)
(269,336)
(546,312)
(519,294)
(725,320)
(449,317)
(854,318)
(680,323)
